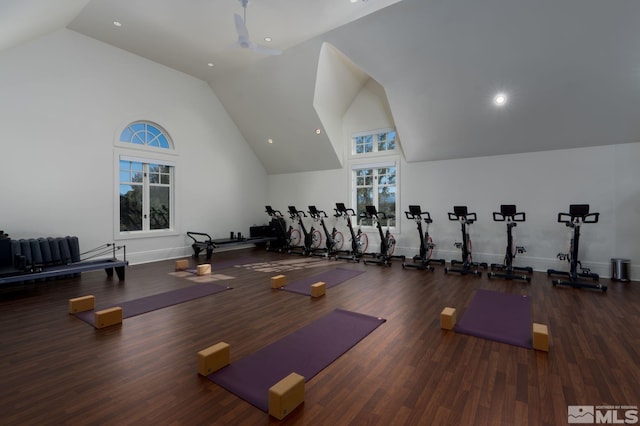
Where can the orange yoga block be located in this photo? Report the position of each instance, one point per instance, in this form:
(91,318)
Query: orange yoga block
(182,264)
(108,317)
(318,289)
(286,395)
(278,281)
(81,304)
(204,269)
(448,318)
(540,337)
(213,358)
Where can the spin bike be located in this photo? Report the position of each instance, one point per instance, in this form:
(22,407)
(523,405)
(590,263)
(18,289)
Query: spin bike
(311,239)
(578,214)
(387,240)
(359,240)
(508,214)
(423,259)
(461,215)
(285,237)
(334,239)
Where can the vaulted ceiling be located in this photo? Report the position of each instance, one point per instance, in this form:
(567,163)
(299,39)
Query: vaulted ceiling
(570,69)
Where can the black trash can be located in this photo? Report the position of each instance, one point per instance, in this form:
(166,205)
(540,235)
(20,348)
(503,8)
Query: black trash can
(620,269)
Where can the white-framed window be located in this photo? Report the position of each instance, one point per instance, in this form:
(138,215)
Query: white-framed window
(145,161)
(376,184)
(374,141)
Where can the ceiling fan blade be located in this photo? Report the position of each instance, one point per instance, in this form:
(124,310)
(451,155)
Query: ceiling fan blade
(264,49)
(241,28)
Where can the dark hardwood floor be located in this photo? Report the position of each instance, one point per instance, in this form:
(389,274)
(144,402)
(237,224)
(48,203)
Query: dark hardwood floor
(56,369)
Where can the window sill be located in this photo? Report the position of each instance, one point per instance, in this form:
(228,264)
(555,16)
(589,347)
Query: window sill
(136,235)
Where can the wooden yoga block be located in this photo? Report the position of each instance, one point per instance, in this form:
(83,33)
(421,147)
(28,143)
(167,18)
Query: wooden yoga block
(81,304)
(448,318)
(204,269)
(286,395)
(278,281)
(540,337)
(318,289)
(107,317)
(182,264)
(213,358)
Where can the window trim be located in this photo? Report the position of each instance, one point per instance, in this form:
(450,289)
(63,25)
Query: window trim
(362,163)
(150,155)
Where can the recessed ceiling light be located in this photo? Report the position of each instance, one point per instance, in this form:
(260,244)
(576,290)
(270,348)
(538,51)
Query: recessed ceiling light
(210,64)
(270,140)
(117,23)
(353,1)
(500,99)
(318,131)
(267,39)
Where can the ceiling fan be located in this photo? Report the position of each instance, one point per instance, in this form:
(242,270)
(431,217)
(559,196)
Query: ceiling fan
(243,34)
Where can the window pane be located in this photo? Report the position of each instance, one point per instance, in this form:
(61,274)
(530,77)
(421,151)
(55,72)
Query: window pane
(364,197)
(387,202)
(125,176)
(159,207)
(391,140)
(126,135)
(368,144)
(163,142)
(130,207)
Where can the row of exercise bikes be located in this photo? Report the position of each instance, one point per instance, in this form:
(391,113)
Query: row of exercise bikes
(311,242)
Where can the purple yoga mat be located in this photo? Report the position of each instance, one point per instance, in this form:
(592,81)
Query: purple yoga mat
(143,305)
(330,278)
(306,351)
(502,317)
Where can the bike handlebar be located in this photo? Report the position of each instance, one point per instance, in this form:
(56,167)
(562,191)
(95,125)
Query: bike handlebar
(418,216)
(516,217)
(273,213)
(469,217)
(569,219)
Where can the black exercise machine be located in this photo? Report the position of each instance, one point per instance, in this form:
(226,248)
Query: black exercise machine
(203,241)
(334,239)
(278,227)
(465,218)
(387,240)
(578,214)
(311,239)
(423,260)
(359,240)
(42,258)
(508,213)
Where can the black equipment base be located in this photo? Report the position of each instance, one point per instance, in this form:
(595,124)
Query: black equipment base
(208,244)
(11,275)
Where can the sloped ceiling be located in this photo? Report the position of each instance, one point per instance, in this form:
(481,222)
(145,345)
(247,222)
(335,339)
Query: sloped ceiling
(25,20)
(570,68)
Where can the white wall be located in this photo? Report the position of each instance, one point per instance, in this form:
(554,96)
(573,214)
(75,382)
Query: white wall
(65,99)
(541,184)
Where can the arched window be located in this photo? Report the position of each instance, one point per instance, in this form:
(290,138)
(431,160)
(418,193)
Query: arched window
(145,133)
(146,179)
